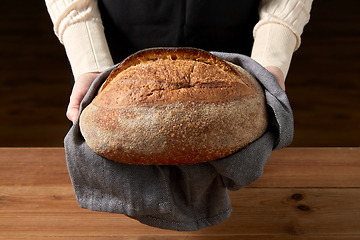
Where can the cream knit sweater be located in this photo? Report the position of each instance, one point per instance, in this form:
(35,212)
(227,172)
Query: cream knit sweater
(78,25)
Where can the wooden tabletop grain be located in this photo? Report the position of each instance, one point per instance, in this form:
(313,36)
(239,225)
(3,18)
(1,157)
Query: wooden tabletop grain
(304,193)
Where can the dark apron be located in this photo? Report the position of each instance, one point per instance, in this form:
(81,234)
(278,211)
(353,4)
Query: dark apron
(132,25)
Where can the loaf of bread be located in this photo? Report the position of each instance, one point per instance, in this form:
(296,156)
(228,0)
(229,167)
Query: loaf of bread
(174,106)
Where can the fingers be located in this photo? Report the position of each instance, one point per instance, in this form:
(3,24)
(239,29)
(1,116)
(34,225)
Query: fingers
(81,86)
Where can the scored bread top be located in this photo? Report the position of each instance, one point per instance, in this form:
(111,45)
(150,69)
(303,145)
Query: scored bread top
(168,75)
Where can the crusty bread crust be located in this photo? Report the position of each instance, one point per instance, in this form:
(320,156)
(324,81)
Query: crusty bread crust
(173,106)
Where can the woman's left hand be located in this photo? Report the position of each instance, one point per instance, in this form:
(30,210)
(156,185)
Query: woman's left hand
(278,75)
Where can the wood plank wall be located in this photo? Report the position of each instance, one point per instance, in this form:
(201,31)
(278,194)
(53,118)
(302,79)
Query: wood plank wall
(323,84)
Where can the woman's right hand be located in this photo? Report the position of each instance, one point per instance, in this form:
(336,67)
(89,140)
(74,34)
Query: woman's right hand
(81,86)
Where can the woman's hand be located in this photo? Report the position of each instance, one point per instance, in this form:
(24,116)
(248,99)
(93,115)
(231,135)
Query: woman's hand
(81,86)
(278,75)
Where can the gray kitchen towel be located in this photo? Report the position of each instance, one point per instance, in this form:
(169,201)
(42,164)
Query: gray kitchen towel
(183,197)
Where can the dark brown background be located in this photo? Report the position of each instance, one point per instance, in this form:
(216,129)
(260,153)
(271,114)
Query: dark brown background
(323,84)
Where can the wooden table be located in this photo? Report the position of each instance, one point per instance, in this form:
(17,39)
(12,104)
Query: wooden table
(304,193)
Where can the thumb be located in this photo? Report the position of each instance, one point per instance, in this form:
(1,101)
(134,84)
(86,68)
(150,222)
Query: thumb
(72,111)
(81,86)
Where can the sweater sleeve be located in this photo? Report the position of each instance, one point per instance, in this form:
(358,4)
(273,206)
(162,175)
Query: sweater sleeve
(277,34)
(78,25)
